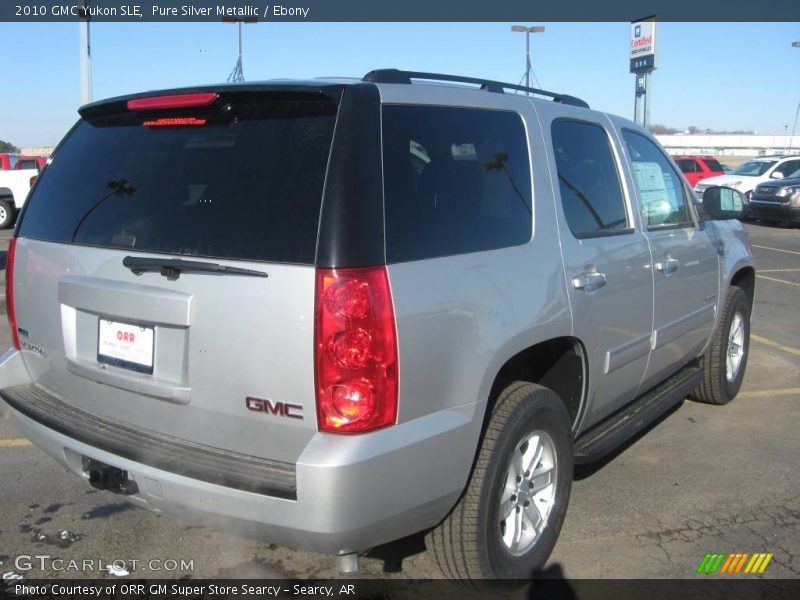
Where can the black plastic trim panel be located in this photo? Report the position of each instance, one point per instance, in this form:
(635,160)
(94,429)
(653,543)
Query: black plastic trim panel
(221,467)
(351,222)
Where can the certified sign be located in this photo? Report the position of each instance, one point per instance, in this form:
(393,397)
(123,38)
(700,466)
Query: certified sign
(643,46)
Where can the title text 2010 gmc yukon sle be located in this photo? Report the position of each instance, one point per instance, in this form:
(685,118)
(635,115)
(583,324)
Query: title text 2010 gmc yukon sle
(340,312)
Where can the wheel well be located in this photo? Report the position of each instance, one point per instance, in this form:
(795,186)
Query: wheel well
(745,279)
(558,364)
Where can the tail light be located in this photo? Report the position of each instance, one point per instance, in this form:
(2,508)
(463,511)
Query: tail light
(355,350)
(33,180)
(12,315)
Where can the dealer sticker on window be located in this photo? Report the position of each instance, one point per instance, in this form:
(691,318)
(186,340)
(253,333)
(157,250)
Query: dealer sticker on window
(125,345)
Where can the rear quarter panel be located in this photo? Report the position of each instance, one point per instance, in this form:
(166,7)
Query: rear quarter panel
(460,318)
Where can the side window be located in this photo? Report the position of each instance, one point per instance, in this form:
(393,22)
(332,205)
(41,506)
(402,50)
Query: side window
(687,166)
(713,165)
(591,192)
(789,167)
(456,180)
(660,188)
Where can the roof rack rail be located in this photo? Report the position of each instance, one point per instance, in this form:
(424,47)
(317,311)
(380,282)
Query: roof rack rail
(498,87)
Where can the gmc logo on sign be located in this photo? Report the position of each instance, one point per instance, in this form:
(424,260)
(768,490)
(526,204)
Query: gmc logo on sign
(281,409)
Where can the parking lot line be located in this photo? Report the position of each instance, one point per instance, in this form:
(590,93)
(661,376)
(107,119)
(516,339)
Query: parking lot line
(778,270)
(767,342)
(776,249)
(14,443)
(770,393)
(767,277)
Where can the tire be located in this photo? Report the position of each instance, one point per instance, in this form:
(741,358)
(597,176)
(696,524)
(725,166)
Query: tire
(721,379)
(474,541)
(7,212)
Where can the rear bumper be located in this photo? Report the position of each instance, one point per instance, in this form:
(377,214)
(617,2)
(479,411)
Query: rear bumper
(773,211)
(352,492)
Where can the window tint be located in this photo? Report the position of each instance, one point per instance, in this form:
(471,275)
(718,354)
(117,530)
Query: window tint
(687,165)
(456,180)
(660,188)
(789,167)
(713,165)
(28,164)
(591,193)
(247,188)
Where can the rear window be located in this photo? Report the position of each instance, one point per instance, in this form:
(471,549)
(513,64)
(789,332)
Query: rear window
(27,164)
(247,187)
(713,165)
(456,180)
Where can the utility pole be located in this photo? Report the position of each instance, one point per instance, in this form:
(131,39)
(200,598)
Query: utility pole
(528,31)
(85,48)
(237,75)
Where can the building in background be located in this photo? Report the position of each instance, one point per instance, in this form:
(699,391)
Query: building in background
(40,151)
(730,144)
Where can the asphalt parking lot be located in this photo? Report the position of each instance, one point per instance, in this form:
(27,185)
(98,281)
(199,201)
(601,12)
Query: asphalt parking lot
(703,479)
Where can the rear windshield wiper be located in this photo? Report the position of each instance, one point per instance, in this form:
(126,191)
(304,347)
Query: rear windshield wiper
(171,268)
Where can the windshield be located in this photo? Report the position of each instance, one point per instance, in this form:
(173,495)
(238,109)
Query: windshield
(248,188)
(754,168)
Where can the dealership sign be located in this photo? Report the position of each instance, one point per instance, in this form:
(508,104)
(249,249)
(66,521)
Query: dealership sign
(643,46)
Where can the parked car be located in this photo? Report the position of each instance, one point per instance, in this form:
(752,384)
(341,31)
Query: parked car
(14,187)
(748,175)
(31,162)
(7,161)
(696,168)
(320,310)
(777,201)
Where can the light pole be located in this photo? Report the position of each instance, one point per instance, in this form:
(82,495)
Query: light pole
(237,74)
(796,113)
(85,47)
(528,31)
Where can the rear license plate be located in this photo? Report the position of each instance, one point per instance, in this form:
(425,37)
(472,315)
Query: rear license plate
(125,345)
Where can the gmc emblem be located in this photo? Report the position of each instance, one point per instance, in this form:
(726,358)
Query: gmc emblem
(281,409)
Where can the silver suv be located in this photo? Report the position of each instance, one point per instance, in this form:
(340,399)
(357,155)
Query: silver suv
(340,312)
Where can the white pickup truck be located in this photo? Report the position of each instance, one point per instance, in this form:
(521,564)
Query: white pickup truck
(14,188)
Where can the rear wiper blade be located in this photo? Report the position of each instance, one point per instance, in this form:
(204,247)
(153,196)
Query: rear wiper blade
(171,268)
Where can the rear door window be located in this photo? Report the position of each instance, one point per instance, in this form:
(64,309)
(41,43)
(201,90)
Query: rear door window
(588,180)
(456,180)
(247,187)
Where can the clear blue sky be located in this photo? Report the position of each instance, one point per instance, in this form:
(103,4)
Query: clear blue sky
(711,75)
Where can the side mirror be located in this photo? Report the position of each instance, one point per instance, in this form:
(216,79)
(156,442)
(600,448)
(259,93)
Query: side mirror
(776,175)
(723,203)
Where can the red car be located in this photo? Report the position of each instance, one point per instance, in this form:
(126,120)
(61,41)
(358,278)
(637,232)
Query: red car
(696,168)
(31,162)
(7,161)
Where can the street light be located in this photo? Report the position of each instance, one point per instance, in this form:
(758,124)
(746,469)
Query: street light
(528,31)
(237,75)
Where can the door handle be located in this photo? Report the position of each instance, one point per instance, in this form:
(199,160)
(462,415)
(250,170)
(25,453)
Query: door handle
(589,281)
(668,266)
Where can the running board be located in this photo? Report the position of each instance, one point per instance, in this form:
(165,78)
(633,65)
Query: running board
(625,423)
